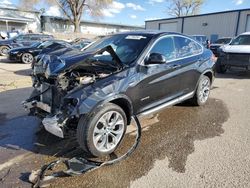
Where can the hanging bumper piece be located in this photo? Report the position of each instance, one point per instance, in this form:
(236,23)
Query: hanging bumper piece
(77,165)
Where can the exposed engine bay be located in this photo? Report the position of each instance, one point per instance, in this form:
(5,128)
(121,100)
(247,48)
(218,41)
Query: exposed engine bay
(52,83)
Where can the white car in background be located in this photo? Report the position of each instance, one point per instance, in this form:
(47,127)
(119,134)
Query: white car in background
(235,54)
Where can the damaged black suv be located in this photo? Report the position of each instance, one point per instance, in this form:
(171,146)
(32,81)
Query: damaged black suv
(97,91)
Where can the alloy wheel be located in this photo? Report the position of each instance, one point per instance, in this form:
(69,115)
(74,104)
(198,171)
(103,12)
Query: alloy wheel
(27,58)
(108,131)
(204,90)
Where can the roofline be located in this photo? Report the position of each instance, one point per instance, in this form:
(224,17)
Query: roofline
(93,22)
(206,14)
(18,9)
(3,18)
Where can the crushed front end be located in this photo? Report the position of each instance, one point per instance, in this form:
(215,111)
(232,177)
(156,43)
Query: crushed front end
(55,82)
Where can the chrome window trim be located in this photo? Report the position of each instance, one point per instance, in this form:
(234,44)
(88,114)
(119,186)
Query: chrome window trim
(176,59)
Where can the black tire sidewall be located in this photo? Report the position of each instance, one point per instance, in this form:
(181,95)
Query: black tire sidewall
(87,124)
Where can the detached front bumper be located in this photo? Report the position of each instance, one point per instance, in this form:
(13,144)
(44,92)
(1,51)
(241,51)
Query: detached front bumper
(51,124)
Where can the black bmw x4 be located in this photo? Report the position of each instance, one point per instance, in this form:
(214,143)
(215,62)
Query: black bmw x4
(96,91)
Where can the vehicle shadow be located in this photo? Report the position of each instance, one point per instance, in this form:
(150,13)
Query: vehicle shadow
(4,59)
(235,74)
(171,136)
(24,72)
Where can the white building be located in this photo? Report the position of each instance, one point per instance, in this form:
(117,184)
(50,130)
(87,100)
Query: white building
(13,18)
(213,25)
(53,24)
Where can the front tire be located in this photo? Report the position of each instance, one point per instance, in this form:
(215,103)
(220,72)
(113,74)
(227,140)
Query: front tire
(27,58)
(4,50)
(202,92)
(100,132)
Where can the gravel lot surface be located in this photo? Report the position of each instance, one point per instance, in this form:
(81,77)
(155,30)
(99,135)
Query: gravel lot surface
(182,146)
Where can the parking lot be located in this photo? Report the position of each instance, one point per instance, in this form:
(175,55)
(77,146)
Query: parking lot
(183,146)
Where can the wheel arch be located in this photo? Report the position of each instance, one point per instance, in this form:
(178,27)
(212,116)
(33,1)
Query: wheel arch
(126,105)
(209,73)
(88,106)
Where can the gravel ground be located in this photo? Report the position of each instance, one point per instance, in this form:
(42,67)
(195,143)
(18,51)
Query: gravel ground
(182,146)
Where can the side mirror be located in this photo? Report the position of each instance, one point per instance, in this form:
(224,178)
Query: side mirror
(155,58)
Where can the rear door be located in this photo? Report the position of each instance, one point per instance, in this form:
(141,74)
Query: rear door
(189,57)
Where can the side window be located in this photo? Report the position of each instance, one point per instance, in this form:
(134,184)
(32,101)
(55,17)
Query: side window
(34,37)
(165,47)
(25,37)
(20,37)
(186,47)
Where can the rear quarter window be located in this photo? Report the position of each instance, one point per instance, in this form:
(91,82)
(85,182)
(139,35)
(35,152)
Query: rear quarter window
(186,47)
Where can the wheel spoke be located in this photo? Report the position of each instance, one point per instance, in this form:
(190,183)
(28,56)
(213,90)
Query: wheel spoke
(117,132)
(97,138)
(114,138)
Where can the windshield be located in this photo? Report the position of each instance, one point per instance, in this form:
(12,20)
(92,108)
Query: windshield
(241,40)
(36,44)
(223,41)
(45,44)
(126,46)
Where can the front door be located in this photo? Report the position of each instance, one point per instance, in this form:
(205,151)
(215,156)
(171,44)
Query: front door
(159,83)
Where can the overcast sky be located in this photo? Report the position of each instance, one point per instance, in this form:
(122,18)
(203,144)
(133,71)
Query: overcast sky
(136,12)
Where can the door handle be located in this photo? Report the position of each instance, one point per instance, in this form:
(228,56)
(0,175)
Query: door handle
(175,66)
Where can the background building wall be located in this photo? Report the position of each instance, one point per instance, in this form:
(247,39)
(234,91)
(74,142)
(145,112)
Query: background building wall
(243,21)
(58,25)
(223,25)
(34,24)
(214,25)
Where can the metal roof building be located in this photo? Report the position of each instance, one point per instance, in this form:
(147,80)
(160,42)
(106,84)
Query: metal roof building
(14,18)
(54,24)
(213,25)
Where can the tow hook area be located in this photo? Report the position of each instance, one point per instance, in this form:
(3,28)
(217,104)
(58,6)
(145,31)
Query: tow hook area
(78,165)
(35,103)
(52,125)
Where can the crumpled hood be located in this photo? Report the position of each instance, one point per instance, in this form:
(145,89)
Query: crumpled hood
(236,48)
(75,58)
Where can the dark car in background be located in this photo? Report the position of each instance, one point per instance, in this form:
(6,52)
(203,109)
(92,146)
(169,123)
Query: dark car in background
(27,54)
(80,44)
(235,54)
(96,91)
(22,40)
(218,43)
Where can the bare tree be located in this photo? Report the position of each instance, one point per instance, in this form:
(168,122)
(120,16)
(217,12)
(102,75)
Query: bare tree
(74,9)
(180,8)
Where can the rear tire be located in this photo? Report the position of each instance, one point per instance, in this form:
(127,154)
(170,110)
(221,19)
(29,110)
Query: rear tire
(202,92)
(4,50)
(101,132)
(219,67)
